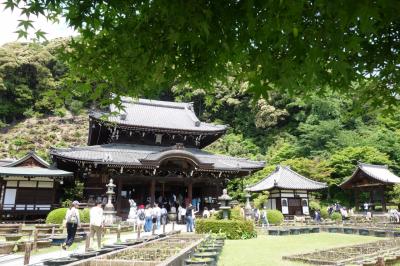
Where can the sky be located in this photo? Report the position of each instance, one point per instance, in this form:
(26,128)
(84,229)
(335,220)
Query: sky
(9,22)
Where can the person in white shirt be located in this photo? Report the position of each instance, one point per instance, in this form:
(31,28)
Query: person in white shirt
(183,215)
(157,215)
(148,224)
(72,223)
(96,222)
(179,214)
(206,213)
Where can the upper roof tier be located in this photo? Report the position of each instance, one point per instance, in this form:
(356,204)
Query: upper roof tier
(367,175)
(285,178)
(158,117)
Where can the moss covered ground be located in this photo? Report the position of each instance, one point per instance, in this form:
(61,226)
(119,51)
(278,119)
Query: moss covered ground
(268,250)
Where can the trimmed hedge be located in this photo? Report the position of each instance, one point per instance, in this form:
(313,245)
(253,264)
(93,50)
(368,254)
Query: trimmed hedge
(324,213)
(336,216)
(233,229)
(57,216)
(274,217)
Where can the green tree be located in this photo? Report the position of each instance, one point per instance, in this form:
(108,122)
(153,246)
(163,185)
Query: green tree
(297,47)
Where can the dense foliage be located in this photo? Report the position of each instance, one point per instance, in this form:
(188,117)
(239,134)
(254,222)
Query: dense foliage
(297,47)
(233,229)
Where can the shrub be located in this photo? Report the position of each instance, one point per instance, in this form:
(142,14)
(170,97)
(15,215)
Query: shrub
(233,214)
(274,217)
(233,229)
(336,216)
(324,213)
(57,216)
(314,205)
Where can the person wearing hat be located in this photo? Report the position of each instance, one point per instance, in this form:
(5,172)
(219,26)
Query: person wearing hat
(73,221)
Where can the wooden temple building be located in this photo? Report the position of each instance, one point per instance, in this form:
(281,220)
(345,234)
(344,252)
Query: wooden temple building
(153,151)
(371,179)
(29,187)
(288,191)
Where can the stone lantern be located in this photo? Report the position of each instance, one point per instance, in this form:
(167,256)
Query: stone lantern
(247,207)
(109,210)
(224,201)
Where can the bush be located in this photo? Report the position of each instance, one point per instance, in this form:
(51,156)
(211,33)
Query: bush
(57,216)
(233,214)
(336,216)
(314,205)
(324,213)
(233,229)
(274,217)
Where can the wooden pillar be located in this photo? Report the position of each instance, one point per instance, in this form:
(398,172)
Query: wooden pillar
(357,199)
(118,198)
(371,199)
(383,201)
(152,191)
(190,191)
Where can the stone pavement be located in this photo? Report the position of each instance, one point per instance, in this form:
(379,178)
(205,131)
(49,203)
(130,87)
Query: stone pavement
(18,259)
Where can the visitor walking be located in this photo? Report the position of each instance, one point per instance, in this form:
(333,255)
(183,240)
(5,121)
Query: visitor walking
(157,215)
(164,215)
(206,213)
(317,216)
(189,218)
(141,217)
(264,218)
(180,214)
(96,222)
(72,222)
(148,224)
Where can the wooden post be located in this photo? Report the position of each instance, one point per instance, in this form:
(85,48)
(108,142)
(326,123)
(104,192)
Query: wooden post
(118,196)
(119,233)
(190,192)
(138,231)
(27,255)
(357,199)
(87,242)
(163,228)
(35,238)
(383,201)
(173,226)
(53,229)
(380,262)
(152,191)
(153,229)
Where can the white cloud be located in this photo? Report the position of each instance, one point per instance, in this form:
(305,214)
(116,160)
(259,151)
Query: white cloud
(9,22)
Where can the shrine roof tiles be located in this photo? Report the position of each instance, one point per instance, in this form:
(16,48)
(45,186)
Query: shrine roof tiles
(285,178)
(156,114)
(145,155)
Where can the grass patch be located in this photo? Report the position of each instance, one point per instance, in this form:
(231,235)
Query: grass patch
(268,250)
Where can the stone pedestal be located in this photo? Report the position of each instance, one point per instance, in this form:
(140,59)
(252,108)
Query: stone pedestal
(109,211)
(224,204)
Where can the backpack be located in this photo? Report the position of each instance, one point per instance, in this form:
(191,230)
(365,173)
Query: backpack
(73,218)
(141,215)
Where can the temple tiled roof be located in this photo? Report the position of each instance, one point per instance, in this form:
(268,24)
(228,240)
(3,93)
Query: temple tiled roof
(33,171)
(378,172)
(157,114)
(285,178)
(149,156)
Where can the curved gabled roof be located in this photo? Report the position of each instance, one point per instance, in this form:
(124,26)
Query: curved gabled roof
(29,155)
(150,156)
(285,178)
(157,114)
(380,173)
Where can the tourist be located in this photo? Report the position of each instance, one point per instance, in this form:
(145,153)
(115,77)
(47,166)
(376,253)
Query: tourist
(189,218)
(344,213)
(179,214)
(96,222)
(157,216)
(164,215)
(141,217)
(198,201)
(317,216)
(72,222)
(366,206)
(256,215)
(206,213)
(264,218)
(183,215)
(148,224)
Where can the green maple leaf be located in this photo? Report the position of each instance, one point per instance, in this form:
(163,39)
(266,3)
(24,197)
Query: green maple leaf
(40,34)
(22,33)
(25,23)
(9,4)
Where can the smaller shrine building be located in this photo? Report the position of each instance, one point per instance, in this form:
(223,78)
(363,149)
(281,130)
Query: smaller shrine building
(371,179)
(288,191)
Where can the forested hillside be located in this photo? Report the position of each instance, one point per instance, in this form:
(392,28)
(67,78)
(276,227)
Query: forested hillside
(322,136)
